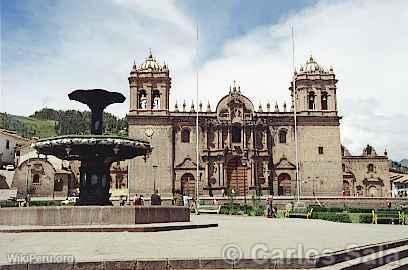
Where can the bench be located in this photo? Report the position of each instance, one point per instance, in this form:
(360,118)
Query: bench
(301,212)
(209,208)
(387,216)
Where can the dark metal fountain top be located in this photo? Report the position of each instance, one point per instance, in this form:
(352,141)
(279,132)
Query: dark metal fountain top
(97,100)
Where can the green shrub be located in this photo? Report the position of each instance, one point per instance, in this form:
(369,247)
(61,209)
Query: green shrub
(8,204)
(366,218)
(330,216)
(45,203)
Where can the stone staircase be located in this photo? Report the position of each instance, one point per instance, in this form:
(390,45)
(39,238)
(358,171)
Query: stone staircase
(381,256)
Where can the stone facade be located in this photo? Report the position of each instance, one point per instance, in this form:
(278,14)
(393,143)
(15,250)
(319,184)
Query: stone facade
(242,148)
(10,143)
(367,174)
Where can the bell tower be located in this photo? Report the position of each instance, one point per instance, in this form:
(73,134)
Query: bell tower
(149,87)
(316,90)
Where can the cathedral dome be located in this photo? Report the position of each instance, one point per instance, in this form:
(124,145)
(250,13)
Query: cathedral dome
(150,64)
(312,66)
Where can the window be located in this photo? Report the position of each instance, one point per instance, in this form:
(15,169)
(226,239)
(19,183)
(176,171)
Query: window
(370,167)
(156,100)
(36,179)
(59,185)
(324,101)
(142,100)
(236,134)
(282,136)
(321,151)
(7,144)
(311,101)
(185,135)
(344,167)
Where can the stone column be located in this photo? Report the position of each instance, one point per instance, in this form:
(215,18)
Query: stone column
(221,170)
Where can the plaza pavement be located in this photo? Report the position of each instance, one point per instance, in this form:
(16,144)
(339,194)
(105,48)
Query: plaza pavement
(248,233)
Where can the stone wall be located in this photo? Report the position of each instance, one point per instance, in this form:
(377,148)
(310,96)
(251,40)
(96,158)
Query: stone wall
(92,215)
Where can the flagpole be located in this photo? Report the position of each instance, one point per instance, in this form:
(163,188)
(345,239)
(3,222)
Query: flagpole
(197,131)
(295,116)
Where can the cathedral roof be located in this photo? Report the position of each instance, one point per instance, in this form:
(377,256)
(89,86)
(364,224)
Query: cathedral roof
(312,67)
(150,64)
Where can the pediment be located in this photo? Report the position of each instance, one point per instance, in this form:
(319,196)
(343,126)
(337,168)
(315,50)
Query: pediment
(285,164)
(187,164)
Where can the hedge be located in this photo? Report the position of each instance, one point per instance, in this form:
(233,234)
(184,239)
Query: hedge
(45,203)
(330,216)
(366,218)
(8,204)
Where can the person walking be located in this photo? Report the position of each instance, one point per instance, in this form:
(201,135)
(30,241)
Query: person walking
(155,199)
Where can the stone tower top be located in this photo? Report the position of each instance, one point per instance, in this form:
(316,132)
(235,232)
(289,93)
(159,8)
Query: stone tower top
(315,89)
(150,85)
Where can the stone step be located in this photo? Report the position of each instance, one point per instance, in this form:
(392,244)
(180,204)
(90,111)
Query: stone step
(389,257)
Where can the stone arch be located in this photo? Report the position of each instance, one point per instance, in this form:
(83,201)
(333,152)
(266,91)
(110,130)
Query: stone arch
(156,100)
(284,185)
(187,184)
(311,100)
(373,191)
(324,101)
(346,188)
(142,99)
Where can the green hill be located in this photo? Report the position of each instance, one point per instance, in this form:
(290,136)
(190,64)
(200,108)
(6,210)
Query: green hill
(27,126)
(49,122)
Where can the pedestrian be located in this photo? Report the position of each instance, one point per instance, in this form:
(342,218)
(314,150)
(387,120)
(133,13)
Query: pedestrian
(141,200)
(135,200)
(269,208)
(155,199)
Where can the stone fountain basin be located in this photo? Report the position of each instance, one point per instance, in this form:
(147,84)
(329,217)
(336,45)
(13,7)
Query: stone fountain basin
(80,147)
(92,215)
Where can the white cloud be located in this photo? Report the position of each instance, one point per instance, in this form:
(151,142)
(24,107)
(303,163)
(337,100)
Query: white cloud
(365,41)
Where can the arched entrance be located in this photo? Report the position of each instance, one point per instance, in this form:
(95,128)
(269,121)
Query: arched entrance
(284,185)
(346,188)
(373,191)
(236,176)
(187,184)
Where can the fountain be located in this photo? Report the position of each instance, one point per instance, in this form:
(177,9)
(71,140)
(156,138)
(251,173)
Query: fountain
(96,151)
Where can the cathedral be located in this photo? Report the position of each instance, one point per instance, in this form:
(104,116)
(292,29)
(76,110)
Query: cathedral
(247,149)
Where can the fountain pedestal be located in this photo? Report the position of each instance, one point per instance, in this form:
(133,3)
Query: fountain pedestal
(96,152)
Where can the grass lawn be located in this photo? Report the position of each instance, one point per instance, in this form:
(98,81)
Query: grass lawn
(43,128)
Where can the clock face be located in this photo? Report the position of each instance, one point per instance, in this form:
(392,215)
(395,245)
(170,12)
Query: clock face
(149,132)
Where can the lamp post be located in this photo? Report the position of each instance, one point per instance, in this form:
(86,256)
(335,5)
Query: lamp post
(154,177)
(27,189)
(267,172)
(244,162)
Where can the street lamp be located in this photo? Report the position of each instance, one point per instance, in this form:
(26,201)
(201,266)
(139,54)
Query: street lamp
(267,173)
(244,163)
(27,190)
(154,177)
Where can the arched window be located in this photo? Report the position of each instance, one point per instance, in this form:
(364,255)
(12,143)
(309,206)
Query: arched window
(156,100)
(284,185)
(142,100)
(282,135)
(36,179)
(7,144)
(370,167)
(185,135)
(187,184)
(344,167)
(311,100)
(324,101)
(59,184)
(236,134)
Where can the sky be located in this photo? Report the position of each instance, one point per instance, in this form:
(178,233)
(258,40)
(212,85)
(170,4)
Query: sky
(49,48)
